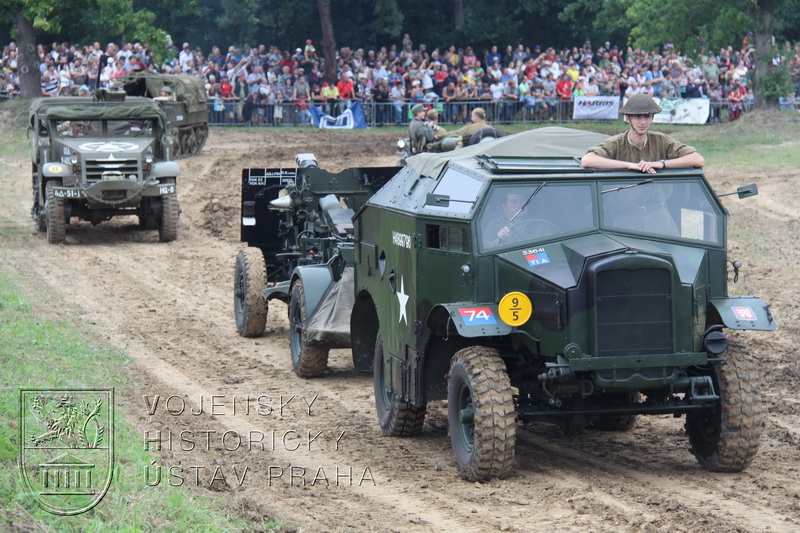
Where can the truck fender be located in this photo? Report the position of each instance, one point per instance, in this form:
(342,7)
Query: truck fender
(165,169)
(55,170)
(744,312)
(316,280)
(470,319)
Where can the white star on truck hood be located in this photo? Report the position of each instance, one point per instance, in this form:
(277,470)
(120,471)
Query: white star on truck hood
(402,299)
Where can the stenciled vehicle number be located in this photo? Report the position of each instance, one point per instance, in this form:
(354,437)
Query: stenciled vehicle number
(166,189)
(67,193)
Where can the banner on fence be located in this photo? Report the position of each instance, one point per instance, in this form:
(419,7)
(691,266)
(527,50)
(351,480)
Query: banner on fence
(351,118)
(683,111)
(596,107)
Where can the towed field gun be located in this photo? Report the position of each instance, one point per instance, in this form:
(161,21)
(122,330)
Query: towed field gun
(298,228)
(186,109)
(519,286)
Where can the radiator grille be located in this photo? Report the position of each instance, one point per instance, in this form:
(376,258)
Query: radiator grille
(96,167)
(634,312)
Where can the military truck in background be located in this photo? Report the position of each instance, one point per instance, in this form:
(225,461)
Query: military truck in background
(518,286)
(96,158)
(186,108)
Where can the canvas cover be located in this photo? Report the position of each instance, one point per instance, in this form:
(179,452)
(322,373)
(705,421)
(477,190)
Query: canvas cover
(541,142)
(330,325)
(107,112)
(187,89)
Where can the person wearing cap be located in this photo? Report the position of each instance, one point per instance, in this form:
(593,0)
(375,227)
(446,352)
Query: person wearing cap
(641,149)
(419,132)
(166,95)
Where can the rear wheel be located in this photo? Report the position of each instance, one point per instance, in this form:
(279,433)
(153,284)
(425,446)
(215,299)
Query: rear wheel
(307,361)
(168,223)
(727,440)
(56,219)
(249,281)
(396,417)
(481,414)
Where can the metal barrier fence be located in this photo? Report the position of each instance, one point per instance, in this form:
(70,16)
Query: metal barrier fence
(399,114)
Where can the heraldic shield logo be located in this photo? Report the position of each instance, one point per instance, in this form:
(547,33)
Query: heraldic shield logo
(66,445)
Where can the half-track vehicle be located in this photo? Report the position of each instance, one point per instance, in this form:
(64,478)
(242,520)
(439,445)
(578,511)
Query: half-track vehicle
(101,157)
(187,108)
(299,234)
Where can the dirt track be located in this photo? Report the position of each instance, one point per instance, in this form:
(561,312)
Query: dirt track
(170,307)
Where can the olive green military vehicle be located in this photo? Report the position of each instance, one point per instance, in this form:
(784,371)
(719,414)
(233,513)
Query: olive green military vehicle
(519,286)
(186,106)
(101,157)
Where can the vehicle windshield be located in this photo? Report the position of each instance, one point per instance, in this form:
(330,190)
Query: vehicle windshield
(555,209)
(127,128)
(671,209)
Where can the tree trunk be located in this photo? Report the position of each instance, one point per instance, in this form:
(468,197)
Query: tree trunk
(763,54)
(328,40)
(458,14)
(27,59)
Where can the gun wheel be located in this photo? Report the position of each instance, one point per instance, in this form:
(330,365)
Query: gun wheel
(249,281)
(481,414)
(397,418)
(308,361)
(727,439)
(56,219)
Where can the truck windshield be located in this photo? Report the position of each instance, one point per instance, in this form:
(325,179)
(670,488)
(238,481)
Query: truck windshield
(671,209)
(554,210)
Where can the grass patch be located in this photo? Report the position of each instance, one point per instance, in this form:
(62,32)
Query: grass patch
(41,353)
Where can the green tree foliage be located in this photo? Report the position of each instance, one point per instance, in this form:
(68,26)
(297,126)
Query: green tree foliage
(387,22)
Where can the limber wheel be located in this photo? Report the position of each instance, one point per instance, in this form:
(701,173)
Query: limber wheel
(56,219)
(168,223)
(727,440)
(396,417)
(481,414)
(307,361)
(249,281)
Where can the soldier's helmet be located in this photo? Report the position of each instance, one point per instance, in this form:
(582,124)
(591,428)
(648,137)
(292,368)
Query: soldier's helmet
(640,104)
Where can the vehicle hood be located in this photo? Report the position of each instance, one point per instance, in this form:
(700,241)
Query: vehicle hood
(562,263)
(103,147)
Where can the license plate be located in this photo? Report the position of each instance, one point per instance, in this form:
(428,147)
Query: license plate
(67,193)
(166,189)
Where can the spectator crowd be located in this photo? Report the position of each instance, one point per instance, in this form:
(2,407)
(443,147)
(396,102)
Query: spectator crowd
(267,85)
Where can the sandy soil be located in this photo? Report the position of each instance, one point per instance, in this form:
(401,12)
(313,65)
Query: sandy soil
(265,451)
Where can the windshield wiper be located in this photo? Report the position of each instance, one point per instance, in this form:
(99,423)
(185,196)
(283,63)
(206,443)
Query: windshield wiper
(533,195)
(615,189)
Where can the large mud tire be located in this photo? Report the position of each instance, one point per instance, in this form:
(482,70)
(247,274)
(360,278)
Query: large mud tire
(396,417)
(249,281)
(727,440)
(307,361)
(481,414)
(168,223)
(54,212)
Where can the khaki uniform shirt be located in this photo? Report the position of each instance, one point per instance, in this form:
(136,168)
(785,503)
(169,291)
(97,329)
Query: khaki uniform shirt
(468,130)
(658,146)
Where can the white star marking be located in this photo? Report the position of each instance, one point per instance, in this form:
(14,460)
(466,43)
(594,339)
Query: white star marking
(402,299)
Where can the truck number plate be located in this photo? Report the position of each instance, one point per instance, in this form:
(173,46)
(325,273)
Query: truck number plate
(67,193)
(166,189)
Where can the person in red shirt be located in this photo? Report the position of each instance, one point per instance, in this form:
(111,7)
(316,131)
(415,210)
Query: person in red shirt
(564,92)
(735,98)
(346,90)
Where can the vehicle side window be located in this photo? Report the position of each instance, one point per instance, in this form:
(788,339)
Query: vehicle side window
(461,189)
(448,238)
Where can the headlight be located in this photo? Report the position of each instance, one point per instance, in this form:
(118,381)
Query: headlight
(401,144)
(73,160)
(148,159)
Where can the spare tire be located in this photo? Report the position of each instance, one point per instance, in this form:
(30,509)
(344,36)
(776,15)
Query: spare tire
(484,135)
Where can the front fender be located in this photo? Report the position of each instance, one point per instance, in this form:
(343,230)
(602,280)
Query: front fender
(165,169)
(316,280)
(56,170)
(470,319)
(744,312)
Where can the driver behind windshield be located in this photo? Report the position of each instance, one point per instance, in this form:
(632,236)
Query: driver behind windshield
(497,227)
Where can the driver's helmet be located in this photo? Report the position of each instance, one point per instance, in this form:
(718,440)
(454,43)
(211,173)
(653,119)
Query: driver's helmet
(640,104)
